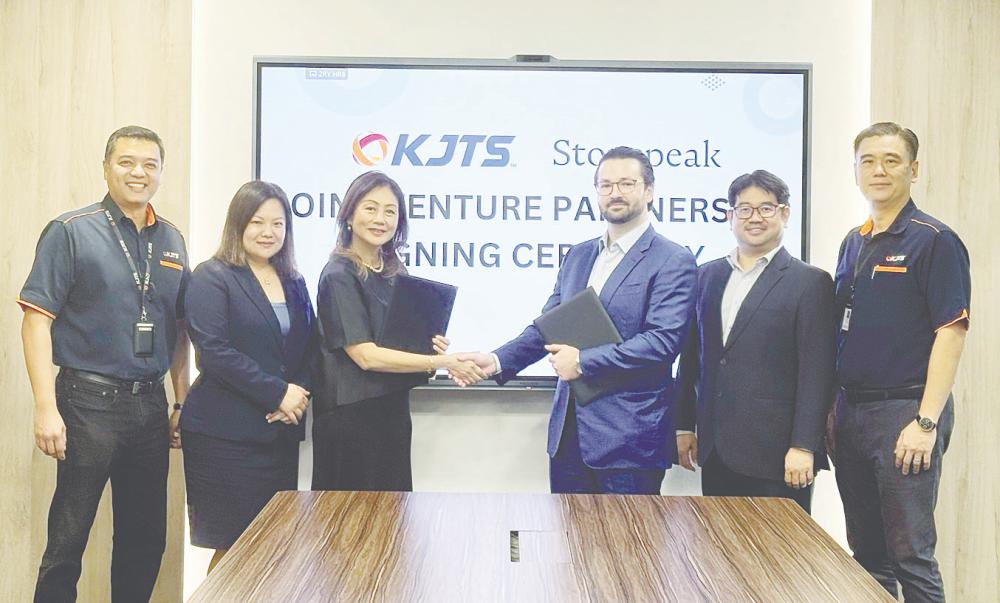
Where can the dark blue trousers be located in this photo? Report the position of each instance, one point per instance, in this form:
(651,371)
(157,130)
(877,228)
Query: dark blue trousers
(717,479)
(110,434)
(890,516)
(568,474)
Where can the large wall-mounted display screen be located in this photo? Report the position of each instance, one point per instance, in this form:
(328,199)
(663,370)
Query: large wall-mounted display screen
(497,161)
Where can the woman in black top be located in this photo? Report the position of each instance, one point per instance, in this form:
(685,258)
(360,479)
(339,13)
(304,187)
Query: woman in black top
(250,320)
(361,429)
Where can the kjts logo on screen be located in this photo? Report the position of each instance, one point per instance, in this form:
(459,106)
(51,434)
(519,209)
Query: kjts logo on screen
(419,150)
(365,151)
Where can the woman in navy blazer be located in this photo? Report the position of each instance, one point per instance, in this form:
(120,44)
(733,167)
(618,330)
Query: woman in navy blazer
(250,319)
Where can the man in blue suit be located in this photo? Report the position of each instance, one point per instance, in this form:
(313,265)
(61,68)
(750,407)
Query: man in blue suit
(756,375)
(621,442)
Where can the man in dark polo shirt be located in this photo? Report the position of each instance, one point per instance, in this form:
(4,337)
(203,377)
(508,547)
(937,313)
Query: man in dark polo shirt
(903,290)
(103,302)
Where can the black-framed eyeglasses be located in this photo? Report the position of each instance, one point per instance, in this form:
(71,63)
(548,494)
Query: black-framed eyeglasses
(766,210)
(624,186)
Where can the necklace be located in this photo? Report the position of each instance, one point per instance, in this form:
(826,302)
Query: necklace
(381,265)
(265,279)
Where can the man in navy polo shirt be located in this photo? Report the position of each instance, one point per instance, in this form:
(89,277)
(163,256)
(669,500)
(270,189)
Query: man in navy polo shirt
(903,291)
(103,302)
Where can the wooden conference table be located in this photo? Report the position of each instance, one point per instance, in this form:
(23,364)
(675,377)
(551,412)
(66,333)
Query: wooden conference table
(391,546)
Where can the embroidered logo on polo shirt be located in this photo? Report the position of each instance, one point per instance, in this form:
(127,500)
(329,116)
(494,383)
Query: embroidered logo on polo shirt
(895,258)
(172,255)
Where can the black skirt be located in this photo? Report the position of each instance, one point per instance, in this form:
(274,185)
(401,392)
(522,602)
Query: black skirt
(229,482)
(364,445)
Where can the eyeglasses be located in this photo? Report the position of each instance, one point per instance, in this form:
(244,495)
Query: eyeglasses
(624,186)
(744,212)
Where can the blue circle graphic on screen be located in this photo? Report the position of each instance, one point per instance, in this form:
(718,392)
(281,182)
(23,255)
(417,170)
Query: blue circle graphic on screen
(351,91)
(774,104)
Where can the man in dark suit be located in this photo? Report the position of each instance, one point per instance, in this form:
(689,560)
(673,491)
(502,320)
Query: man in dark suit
(619,442)
(756,374)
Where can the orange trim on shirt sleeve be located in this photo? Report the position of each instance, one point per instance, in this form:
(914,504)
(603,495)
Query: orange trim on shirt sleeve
(30,306)
(963,316)
(931,226)
(173,265)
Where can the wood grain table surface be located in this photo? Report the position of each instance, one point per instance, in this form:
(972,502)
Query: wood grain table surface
(391,546)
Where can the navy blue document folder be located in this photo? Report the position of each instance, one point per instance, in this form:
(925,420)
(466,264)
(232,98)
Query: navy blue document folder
(419,310)
(582,322)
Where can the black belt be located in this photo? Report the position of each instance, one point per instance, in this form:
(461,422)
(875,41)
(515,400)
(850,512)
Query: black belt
(136,387)
(855,396)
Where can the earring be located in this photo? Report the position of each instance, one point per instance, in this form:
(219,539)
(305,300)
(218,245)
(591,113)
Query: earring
(348,228)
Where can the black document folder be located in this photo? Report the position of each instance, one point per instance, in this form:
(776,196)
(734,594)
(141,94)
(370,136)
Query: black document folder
(582,322)
(419,310)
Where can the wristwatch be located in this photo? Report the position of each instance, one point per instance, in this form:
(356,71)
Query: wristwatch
(926,424)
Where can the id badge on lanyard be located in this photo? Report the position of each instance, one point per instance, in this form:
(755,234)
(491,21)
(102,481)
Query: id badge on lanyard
(845,321)
(143,330)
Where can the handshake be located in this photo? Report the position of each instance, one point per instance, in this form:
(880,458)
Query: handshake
(468,368)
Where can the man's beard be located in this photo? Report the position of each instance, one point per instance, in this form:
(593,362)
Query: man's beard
(628,216)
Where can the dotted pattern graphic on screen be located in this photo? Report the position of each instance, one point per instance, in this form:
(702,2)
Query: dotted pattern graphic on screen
(713,82)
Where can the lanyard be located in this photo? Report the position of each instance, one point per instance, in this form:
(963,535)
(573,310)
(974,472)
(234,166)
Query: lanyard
(141,285)
(862,259)
(859,262)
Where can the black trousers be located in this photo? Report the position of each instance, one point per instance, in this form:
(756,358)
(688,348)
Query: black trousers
(719,480)
(890,516)
(110,434)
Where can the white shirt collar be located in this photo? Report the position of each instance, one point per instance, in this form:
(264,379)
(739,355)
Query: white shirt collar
(627,240)
(734,258)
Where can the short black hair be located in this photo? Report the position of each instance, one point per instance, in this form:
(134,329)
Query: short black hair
(629,153)
(889,128)
(761,179)
(132,132)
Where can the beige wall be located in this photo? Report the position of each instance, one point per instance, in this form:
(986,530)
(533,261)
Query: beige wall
(934,69)
(72,73)
(501,440)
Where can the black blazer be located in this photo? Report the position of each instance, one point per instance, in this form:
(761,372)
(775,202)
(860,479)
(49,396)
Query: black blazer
(245,366)
(769,387)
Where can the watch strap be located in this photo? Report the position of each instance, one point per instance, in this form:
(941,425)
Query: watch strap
(925,423)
